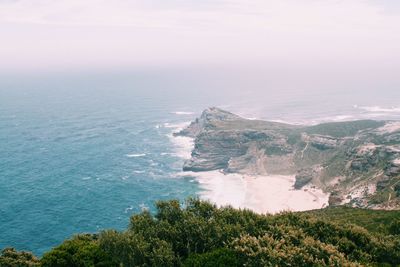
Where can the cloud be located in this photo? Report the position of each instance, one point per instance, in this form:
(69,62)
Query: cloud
(157,13)
(391,7)
(102,12)
(46,33)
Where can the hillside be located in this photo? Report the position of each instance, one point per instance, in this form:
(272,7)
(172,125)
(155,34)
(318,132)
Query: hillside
(356,162)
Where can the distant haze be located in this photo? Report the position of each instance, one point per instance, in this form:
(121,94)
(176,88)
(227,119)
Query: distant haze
(360,36)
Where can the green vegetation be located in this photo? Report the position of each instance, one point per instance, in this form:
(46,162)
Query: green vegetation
(82,250)
(375,221)
(9,257)
(343,129)
(197,233)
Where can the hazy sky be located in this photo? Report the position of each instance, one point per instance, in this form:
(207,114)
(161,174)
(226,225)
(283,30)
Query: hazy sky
(92,34)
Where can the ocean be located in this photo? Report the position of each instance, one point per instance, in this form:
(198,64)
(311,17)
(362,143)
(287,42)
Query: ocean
(82,153)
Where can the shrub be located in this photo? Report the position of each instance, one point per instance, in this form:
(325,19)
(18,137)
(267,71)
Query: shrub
(80,251)
(9,257)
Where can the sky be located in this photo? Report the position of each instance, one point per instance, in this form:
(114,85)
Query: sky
(356,36)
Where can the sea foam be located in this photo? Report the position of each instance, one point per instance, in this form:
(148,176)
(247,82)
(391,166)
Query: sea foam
(183,145)
(135,155)
(182,113)
(380,109)
(220,188)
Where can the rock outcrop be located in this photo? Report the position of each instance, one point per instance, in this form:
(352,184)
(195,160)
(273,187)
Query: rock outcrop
(365,154)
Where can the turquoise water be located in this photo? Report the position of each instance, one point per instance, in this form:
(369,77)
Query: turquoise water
(83,154)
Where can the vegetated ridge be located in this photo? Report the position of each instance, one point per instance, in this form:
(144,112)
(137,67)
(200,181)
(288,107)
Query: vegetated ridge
(356,162)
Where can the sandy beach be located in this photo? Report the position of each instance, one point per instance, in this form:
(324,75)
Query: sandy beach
(275,193)
(262,194)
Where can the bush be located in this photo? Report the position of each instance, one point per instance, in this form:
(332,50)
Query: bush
(222,257)
(80,251)
(197,233)
(9,257)
(132,249)
(394,227)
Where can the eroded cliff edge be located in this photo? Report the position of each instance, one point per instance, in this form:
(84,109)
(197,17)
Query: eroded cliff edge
(357,162)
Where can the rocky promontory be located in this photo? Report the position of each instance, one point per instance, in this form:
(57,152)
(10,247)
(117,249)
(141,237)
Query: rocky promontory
(357,162)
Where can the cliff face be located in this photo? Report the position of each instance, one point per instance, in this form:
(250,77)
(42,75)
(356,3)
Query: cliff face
(357,162)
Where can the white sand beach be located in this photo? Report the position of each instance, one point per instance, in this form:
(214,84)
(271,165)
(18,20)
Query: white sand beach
(276,193)
(262,194)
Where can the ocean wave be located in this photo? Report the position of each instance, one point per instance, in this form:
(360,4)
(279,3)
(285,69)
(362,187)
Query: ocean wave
(229,189)
(334,118)
(153,163)
(138,172)
(342,118)
(183,146)
(319,120)
(130,208)
(135,155)
(182,112)
(379,109)
(143,207)
(177,126)
(252,118)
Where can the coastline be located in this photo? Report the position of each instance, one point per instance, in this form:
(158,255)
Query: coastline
(261,194)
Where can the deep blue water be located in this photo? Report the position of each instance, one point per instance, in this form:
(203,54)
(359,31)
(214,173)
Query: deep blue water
(82,154)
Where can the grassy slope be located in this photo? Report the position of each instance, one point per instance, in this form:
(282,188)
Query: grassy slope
(376,221)
(343,129)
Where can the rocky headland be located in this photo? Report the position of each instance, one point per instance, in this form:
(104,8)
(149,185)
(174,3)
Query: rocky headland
(356,162)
